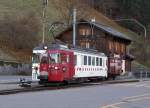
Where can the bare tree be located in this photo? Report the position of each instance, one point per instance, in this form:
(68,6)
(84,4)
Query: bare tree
(65,9)
(21,31)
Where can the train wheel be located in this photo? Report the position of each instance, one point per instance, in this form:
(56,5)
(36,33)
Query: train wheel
(65,82)
(41,82)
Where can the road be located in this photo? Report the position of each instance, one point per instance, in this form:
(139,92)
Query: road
(5,79)
(127,95)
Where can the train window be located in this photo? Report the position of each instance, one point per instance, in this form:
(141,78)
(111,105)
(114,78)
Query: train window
(82,60)
(100,61)
(54,58)
(75,59)
(36,58)
(97,63)
(44,60)
(85,60)
(89,60)
(93,61)
(103,62)
(64,58)
(68,58)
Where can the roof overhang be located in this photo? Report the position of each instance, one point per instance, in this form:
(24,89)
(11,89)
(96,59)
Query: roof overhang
(108,29)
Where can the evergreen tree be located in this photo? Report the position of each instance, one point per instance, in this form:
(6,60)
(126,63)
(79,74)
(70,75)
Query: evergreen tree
(138,9)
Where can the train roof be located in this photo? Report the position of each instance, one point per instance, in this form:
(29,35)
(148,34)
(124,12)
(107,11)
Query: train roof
(88,51)
(39,47)
(51,46)
(58,46)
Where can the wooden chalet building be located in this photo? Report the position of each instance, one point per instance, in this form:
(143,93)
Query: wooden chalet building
(102,38)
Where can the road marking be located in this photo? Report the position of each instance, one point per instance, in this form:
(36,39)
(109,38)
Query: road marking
(113,105)
(125,84)
(129,99)
(131,84)
(144,98)
(134,85)
(137,96)
(141,85)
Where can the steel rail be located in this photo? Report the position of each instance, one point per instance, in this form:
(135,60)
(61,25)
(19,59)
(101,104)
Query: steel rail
(58,86)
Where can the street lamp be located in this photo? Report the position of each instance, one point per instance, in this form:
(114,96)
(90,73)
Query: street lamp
(134,20)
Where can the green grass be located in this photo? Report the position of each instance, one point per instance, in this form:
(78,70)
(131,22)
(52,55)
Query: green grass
(20,6)
(17,8)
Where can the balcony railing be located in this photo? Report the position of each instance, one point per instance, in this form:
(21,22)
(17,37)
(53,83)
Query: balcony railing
(90,37)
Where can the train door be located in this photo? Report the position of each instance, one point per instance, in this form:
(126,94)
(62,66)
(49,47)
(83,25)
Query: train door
(123,67)
(112,66)
(115,66)
(61,66)
(36,63)
(67,65)
(77,64)
(55,71)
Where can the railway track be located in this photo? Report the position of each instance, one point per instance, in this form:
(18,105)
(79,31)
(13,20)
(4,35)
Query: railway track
(41,88)
(57,86)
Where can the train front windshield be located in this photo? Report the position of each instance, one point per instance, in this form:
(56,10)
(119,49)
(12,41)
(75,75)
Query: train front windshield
(58,58)
(36,58)
(44,60)
(54,58)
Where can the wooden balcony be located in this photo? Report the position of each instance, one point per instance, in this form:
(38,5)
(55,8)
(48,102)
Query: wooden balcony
(88,37)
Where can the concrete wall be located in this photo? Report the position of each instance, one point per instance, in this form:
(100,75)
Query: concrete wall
(20,69)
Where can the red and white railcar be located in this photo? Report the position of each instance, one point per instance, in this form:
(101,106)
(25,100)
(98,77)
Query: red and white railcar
(115,66)
(60,63)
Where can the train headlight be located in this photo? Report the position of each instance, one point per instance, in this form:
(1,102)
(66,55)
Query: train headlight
(64,69)
(56,68)
(45,47)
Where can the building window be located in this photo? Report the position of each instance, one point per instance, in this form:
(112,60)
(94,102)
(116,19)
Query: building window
(82,44)
(122,48)
(84,32)
(88,32)
(110,45)
(116,46)
(87,45)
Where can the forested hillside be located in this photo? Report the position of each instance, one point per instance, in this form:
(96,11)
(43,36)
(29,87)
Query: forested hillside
(139,10)
(131,9)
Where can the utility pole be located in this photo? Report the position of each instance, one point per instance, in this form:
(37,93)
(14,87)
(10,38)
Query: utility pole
(45,3)
(74,27)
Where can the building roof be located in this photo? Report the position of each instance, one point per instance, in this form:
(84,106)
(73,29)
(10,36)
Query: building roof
(114,32)
(109,30)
